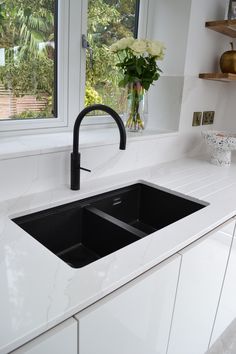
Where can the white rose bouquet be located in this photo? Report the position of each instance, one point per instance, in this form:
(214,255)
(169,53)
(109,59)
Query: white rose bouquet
(138,59)
(138,63)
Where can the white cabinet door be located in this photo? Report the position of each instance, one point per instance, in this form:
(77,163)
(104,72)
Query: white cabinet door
(201,277)
(227,307)
(136,318)
(61,339)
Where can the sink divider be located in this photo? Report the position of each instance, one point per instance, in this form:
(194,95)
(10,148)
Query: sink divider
(117,222)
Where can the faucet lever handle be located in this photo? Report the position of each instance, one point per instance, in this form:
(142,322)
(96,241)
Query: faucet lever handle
(85,169)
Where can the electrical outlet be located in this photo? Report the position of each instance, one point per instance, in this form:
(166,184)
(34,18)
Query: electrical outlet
(208,117)
(197,117)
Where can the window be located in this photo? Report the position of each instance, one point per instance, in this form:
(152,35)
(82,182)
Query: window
(46,77)
(108,21)
(28,61)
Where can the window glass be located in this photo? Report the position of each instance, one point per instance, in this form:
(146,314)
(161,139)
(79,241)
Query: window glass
(28,46)
(108,21)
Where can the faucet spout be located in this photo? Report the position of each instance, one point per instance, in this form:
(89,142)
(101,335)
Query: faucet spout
(75,155)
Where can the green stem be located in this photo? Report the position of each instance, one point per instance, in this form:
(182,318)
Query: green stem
(134,121)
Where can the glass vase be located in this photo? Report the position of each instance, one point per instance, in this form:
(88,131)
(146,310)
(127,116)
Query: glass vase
(134,117)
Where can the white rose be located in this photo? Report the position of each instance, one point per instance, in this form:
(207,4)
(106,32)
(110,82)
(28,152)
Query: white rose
(156,49)
(162,54)
(114,47)
(138,47)
(122,44)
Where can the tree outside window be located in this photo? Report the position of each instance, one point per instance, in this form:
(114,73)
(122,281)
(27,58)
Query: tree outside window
(108,21)
(27,69)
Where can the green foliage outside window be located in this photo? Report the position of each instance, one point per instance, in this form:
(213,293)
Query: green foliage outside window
(27,35)
(108,21)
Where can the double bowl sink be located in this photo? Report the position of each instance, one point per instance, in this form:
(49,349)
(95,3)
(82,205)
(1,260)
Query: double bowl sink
(83,231)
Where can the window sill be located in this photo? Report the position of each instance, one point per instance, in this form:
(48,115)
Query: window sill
(30,145)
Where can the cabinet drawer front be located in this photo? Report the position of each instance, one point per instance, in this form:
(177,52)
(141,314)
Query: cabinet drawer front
(227,306)
(201,277)
(61,339)
(134,319)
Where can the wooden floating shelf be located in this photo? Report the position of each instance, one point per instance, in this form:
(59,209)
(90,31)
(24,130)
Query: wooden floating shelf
(227,27)
(225,77)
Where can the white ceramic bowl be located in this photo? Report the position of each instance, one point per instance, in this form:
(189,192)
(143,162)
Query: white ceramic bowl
(220,145)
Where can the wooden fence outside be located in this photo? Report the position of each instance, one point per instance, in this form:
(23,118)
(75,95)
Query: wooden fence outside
(10,105)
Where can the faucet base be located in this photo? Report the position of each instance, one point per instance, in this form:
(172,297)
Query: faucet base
(75,171)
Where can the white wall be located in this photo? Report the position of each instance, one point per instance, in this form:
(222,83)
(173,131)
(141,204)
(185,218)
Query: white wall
(203,53)
(198,50)
(168,22)
(226,120)
(191,49)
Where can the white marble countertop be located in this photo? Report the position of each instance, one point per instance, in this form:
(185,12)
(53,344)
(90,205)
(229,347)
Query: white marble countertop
(38,290)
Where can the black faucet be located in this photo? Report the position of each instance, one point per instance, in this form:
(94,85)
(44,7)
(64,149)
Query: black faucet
(75,155)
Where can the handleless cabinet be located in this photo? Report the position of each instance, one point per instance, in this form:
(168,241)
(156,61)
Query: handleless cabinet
(136,318)
(202,273)
(226,313)
(61,339)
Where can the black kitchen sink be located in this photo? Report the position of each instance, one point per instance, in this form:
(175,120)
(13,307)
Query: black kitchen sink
(84,231)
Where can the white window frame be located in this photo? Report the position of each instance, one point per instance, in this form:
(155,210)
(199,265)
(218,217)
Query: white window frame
(30,125)
(78,77)
(72,23)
